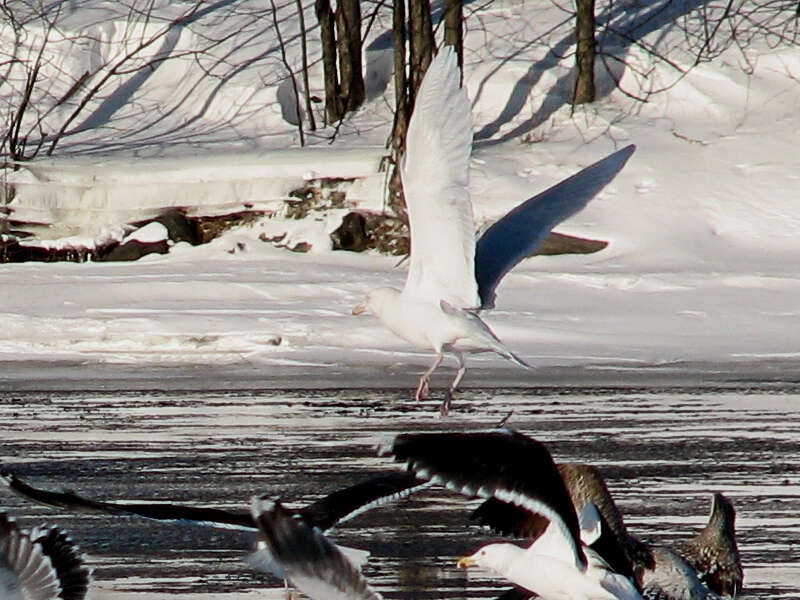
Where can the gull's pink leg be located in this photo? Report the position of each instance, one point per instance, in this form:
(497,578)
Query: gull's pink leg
(423,388)
(444,410)
(287,590)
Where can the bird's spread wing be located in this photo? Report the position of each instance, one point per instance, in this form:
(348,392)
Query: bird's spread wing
(324,513)
(43,562)
(435,174)
(349,502)
(23,563)
(509,519)
(73,574)
(312,563)
(502,464)
(521,231)
(212,517)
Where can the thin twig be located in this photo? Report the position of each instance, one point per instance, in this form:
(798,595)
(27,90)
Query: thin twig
(291,73)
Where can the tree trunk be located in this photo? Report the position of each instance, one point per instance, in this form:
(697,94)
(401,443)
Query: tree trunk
(333,105)
(288,66)
(348,29)
(304,48)
(585,52)
(453,31)
(401,110)
(420,36)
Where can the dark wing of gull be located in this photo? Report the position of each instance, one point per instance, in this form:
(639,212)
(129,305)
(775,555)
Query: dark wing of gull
(156,511)
(70,565)
(324,513)
(312,563)
(509,519)
(25,571)
(522,230)
(40,564)
(347,503)
(501,464)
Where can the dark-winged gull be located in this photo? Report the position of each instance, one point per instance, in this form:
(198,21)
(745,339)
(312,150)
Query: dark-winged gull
(450,277)
(510,467)
(40,564)
(661,572)
(309,560)
(323,514)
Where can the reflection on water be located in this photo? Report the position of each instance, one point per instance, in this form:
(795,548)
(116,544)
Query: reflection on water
(662,451)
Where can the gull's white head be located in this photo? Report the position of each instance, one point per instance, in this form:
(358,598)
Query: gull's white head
(494,557)
(378,301)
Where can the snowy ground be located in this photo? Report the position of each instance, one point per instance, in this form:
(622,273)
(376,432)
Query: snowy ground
(703,223)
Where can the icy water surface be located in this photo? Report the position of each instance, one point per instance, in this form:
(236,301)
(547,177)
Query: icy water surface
(663,453)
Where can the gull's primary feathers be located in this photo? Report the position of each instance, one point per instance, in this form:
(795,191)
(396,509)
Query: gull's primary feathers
(449,277)
(323,514)
(40,564)
(511,469)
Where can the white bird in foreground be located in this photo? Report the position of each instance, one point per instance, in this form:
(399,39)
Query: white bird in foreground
(561,562)
(450,278)
(40,564)
(706,568)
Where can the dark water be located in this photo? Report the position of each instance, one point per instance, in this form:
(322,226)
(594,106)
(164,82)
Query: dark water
(663,452)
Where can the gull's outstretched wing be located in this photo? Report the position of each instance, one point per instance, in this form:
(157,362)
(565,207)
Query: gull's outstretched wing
(347,503)
(40,564)
(74,575)
(314,565)
(502,464)
(158,511)
(25,570)
(509,519)
(522,230)
(324,513)
(435,172)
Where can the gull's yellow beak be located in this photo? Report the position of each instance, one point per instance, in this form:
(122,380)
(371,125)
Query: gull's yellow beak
(465,562)
(360,308)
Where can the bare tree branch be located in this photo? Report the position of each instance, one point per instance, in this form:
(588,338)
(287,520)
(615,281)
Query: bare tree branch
(291,73)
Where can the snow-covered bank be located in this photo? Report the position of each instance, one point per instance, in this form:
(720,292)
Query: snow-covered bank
(703,223)
(206,306)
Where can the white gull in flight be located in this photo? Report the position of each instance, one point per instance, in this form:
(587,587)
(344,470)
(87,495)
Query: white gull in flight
(450,277)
